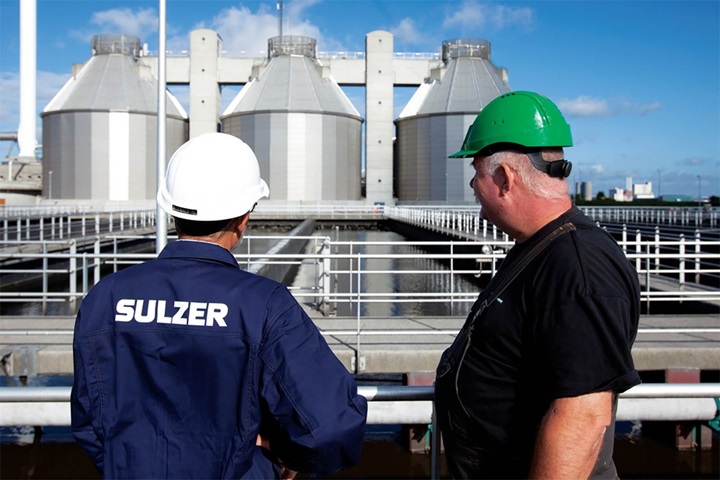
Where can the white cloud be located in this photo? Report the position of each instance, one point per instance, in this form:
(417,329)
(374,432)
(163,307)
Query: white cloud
(245,31)
(141,23)
(598,168)
(694,161)
(474,15)
(584,106)
(407,32)
(639,108)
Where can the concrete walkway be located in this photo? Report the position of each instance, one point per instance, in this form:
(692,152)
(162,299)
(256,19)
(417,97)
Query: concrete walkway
(42,345)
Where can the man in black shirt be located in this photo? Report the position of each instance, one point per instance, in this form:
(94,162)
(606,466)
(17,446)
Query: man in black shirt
(529,387)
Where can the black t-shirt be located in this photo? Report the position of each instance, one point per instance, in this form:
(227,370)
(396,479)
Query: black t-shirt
(563,328)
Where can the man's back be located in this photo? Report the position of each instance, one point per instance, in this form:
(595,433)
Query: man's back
(182,355)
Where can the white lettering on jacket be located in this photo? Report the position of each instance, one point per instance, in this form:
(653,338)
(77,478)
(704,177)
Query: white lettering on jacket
(180,313)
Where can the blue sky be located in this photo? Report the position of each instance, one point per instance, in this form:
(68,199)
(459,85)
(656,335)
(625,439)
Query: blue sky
(638,81)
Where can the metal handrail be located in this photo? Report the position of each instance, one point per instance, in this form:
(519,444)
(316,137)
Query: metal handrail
(394,393)
(652,265)
(402,396)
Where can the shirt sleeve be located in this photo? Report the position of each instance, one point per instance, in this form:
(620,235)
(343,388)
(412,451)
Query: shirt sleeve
(317,418)
(81,410)
(585,347)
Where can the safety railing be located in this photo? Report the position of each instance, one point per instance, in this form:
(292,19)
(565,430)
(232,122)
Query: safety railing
(62,225)
(406,405)
(342,276)
(466,219)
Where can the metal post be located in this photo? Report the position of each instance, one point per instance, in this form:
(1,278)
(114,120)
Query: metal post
(325,277)
(681,260)
(161,223)
(698,259)
(359,286)
(72,288)
(96,268)
(44,277)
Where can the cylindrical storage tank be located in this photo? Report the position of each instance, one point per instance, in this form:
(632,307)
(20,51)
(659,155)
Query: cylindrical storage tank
(435,120)
(304,130)
(100,130)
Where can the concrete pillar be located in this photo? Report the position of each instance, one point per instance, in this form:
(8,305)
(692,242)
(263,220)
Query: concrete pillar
(379,129)
(689,435)
(205,101)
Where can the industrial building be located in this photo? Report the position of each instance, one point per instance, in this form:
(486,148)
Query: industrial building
(99,132)
(305,132)
(433,124)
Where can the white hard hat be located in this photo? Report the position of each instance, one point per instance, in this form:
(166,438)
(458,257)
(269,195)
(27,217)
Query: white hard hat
(214,176)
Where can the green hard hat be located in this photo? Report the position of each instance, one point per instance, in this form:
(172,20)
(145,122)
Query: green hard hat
(521,118)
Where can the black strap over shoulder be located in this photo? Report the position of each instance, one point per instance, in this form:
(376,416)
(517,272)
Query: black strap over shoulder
(519,265)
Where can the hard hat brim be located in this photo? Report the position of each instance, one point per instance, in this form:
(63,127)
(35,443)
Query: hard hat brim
(464,154)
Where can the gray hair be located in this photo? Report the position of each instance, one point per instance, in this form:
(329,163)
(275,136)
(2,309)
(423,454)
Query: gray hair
(541,184)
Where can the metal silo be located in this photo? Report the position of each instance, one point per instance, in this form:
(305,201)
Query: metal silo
(433,124)
(100,130)
(302,127)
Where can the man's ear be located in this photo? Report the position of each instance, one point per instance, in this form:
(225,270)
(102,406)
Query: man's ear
(242,222)
(506,178)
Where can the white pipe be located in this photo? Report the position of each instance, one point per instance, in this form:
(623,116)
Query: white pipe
(160,215)
(49,413)
(27,128)
(49,406)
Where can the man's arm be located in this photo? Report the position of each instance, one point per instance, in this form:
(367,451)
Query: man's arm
(315,420)
(571,435)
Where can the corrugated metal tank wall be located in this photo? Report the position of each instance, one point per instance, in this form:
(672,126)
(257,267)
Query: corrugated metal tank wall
(303,129)
(433,124)
(100,130)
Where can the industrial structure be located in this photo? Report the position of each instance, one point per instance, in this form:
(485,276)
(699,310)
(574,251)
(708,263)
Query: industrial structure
(434,122)
(306,133)
(99,131)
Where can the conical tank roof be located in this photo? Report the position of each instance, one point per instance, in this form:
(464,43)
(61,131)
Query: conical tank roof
(294,81)
(113,79)
(470,81)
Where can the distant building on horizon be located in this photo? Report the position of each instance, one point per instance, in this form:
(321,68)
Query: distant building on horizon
(676,198)
(643,191)
(621,195)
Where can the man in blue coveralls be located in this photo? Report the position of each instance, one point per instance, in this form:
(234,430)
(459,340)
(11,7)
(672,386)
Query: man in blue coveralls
(189,367)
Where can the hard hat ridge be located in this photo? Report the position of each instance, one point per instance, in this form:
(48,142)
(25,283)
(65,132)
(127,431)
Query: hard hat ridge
(214,176)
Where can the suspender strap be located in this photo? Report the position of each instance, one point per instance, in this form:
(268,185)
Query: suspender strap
(519,265)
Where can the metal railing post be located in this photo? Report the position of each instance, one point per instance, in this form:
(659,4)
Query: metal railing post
(96,262)
(325,277)
(359,287)
(434,445)
(657,249)
(698,257)
(681,260)
(73,270)
(44,277)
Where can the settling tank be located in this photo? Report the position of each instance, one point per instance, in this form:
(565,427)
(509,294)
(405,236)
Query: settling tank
(304,130)
(433,124)
(100,130)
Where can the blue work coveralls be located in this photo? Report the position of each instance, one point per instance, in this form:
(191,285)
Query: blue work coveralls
(180,362)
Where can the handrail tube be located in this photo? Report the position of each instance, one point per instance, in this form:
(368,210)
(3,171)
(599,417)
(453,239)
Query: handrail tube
(392,392)
(418,331)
